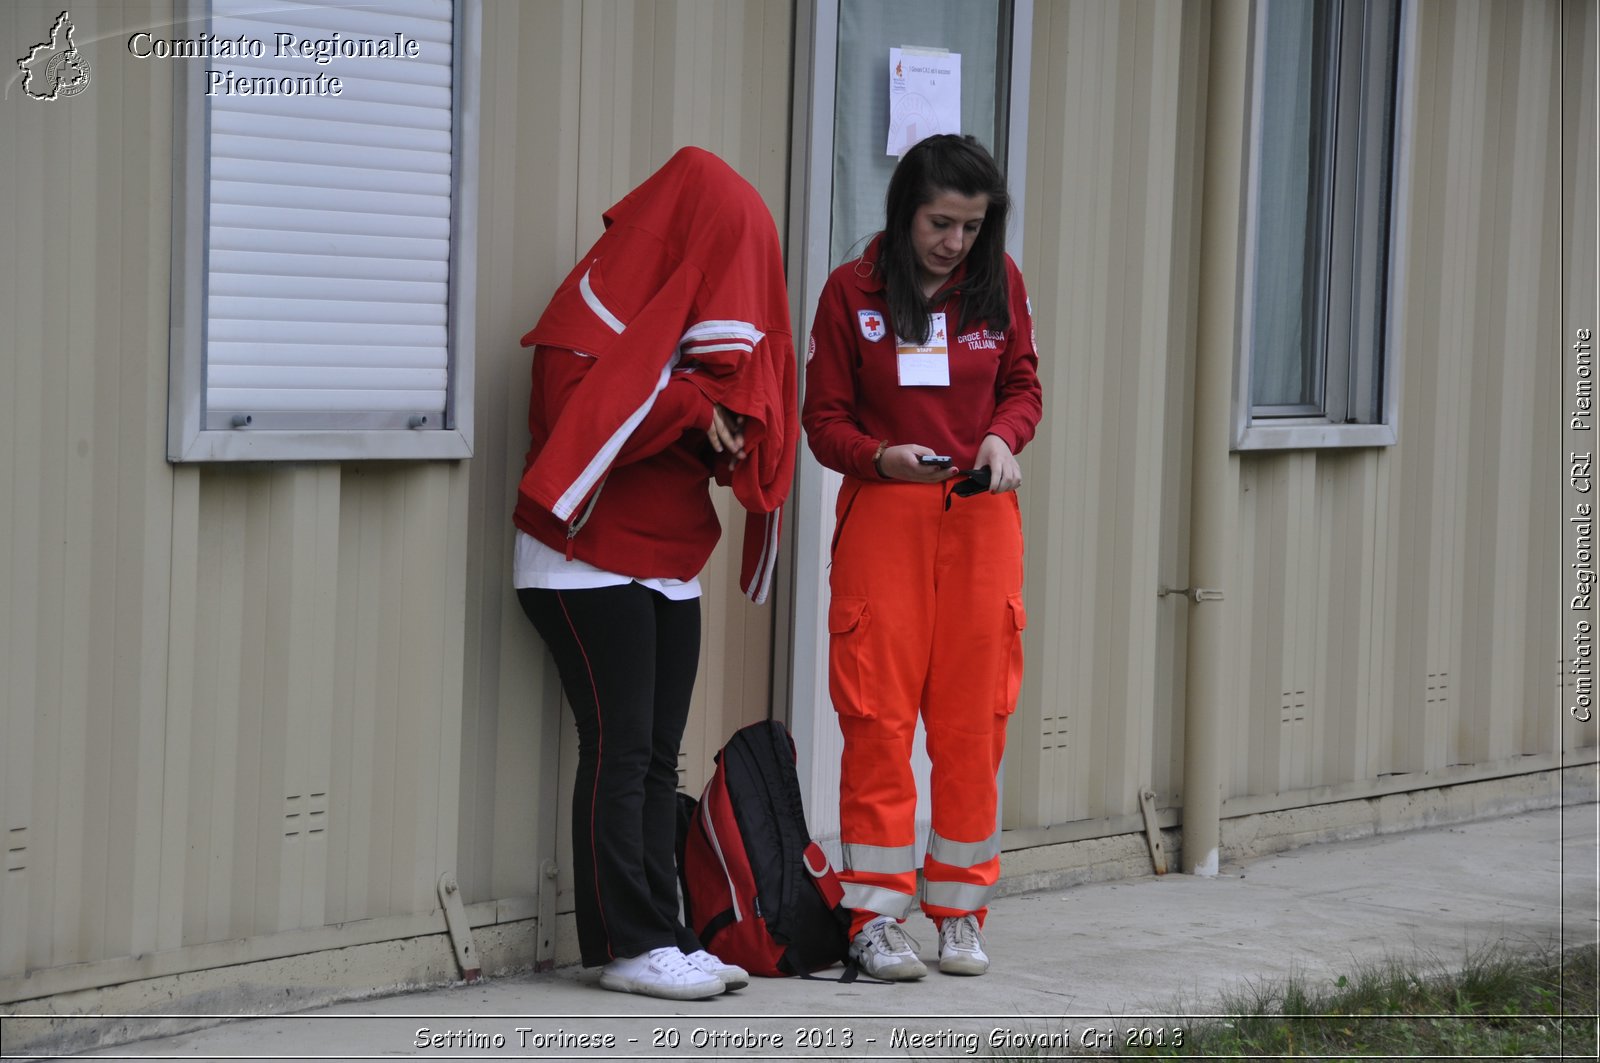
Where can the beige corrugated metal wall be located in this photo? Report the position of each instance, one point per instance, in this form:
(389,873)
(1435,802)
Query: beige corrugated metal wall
(1399,608)
(1116,111)
(241,704)
(1396,610)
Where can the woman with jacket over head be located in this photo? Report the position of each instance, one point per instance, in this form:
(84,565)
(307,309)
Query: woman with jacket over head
(921,369)
(664,360)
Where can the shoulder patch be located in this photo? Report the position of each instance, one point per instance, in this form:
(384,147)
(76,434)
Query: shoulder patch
(872,326)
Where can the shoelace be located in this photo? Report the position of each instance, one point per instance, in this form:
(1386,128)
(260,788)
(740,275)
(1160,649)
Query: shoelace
(893,937)
(961,934)
(672,961)
(705,961)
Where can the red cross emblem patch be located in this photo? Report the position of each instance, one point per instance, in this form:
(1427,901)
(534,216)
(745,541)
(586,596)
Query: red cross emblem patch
(871,324)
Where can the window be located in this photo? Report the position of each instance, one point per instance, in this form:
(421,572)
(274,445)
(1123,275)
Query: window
(322,267)
(978,30)
(1316,366)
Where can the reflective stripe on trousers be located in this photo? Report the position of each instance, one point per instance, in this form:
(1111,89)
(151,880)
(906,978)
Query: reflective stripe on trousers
(877,900)
(888,859)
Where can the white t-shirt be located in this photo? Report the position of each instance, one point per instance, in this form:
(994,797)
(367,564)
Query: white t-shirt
(538,565)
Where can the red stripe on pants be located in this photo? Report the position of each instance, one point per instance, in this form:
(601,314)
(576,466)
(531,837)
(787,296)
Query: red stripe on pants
(926,614)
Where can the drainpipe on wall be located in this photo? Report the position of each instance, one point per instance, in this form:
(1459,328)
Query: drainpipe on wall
(1215,472)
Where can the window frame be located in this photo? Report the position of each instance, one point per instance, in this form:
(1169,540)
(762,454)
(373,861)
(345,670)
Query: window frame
(188,440)
(1342,367)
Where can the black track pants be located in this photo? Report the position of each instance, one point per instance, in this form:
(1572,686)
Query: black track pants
(627,657)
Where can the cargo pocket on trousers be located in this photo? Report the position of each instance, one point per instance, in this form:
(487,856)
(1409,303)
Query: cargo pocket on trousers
(1016,624)
(849,657)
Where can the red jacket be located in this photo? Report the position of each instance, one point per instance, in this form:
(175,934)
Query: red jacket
(684,287)
(654,517)
(853,395)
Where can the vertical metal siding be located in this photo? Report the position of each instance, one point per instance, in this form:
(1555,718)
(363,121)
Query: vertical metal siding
(1112,186)
(528,206)
(83,540)
(318,695)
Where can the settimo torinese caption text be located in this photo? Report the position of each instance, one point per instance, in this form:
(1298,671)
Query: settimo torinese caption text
(318,50)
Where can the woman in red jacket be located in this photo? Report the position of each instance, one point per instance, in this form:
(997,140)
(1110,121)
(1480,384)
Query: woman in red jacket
(663,361)
(922,368)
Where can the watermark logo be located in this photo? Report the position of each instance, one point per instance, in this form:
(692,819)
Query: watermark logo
(55,69)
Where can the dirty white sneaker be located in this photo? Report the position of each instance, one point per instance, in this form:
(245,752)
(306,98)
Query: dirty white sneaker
(733,976)
(884,950)
(664,972)
(961,947)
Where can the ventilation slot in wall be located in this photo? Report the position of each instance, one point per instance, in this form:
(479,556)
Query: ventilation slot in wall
(17,849)
(305,814)
(1438,688)
(1054,732)
(1293,709)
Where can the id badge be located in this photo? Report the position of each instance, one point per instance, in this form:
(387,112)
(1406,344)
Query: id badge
(927,365)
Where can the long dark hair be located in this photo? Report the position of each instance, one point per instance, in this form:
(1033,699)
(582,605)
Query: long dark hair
(945,163)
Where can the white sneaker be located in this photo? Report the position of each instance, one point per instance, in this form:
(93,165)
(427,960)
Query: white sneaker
(961,946)
(733,977)
(884,950)
(664,972)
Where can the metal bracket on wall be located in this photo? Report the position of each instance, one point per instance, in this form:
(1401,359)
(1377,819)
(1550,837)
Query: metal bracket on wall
(455,917)
(1152,831)
(1197,595)
(544,950)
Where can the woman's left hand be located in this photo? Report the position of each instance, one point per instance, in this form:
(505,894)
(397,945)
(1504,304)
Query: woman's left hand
(1004,472)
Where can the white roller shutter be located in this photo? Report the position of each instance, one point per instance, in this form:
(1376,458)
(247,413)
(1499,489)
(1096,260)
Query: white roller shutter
(328,227)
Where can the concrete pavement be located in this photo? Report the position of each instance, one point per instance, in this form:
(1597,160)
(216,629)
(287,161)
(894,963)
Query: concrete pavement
(1073,970)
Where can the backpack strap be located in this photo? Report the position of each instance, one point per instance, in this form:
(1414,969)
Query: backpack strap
(851,973)
(823,875)
(716,924)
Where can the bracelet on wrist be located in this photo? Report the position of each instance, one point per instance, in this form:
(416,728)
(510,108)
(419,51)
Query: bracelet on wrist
(877,458)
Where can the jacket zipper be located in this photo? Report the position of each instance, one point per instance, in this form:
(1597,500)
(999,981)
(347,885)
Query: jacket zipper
(583,518)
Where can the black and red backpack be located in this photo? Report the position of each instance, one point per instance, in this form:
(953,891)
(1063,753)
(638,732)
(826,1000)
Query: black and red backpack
(756,889)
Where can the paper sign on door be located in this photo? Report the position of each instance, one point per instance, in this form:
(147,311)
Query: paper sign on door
(924,95)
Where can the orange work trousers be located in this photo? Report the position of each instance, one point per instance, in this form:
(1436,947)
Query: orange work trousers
(926,614)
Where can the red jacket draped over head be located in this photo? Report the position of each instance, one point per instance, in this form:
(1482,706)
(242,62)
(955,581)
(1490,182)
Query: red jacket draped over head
(687,276)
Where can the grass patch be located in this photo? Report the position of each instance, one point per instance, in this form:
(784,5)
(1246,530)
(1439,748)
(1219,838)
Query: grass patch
(1499,1004)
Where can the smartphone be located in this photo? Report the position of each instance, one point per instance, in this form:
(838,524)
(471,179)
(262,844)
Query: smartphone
(943,461)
